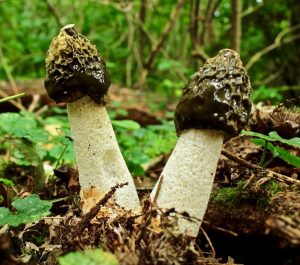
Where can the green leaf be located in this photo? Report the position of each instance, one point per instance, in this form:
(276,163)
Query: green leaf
(287,156)
(7,182)
(126,124)
(20,126)
(280,152)
(27,210)
(89,257)
(274,136)
(25,153)
(293,141)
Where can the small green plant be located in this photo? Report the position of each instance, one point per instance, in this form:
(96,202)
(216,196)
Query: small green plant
(89,257)
(267,142)
(26,210)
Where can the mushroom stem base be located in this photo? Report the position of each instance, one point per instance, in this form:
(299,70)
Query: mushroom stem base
(186,181)
(100,162)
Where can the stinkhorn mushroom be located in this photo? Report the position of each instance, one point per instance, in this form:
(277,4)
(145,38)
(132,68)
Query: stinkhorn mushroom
(215,103)
(76,74)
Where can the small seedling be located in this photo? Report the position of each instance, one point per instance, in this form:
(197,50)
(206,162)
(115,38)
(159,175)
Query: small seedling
(267,142)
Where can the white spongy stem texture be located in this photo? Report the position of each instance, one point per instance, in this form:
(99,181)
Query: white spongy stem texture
(100,162)
(186,181)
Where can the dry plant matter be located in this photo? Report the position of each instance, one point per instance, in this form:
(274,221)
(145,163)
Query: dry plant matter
(140,239)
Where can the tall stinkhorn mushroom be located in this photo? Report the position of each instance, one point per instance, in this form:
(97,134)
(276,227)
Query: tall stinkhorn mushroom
(76,74)
(215,103)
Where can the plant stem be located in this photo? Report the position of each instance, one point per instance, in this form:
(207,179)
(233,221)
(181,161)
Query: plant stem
(269,161)
(263,156)
(61,155)
(12,97)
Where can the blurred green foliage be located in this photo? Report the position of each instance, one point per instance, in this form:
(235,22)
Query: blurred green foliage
(31,141)
(89,257)
(125,41)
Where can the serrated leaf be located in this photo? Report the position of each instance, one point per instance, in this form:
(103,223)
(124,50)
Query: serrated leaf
(27,210)
(89,257)
(126,124)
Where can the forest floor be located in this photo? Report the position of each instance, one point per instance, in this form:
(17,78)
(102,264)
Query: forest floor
(253,217)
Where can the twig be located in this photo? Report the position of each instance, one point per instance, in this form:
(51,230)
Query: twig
(271,173)
(158,188)
(236,25)
(277,43)
(225,230)
(12,97)
(12,101)
(209,242)
(54,13)
(252,9)
(168,28)
(153,41)
(130,43)
(157,47)
(94,211)
(11,81)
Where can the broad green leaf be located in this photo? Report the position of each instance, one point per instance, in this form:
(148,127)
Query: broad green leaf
(89,257)
(126,124)
(274,136)
(27,210)
(293,141)
(20,126)
(7,182)
(287,156)
(280,152)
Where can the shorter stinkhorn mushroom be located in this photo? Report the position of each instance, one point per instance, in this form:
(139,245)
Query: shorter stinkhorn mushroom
(77,75)
(215,103)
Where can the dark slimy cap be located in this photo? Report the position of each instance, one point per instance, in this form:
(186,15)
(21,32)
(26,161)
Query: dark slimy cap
(75,69)
(216,97)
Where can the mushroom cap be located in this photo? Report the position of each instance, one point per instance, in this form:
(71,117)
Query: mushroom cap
(216,97)
(74,68)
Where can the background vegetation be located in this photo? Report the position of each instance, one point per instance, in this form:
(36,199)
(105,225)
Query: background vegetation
(157,45)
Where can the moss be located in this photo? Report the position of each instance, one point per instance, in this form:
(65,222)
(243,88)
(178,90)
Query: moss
(229,195)
(232,196)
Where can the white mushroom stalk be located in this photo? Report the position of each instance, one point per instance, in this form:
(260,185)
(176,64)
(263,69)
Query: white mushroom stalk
(215,103)
(76,74)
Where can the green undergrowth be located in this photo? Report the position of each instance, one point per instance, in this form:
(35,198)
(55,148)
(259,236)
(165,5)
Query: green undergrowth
(89,257)
(28,140)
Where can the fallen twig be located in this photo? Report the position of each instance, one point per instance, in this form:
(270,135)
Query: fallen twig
(95,210)
(270,173)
